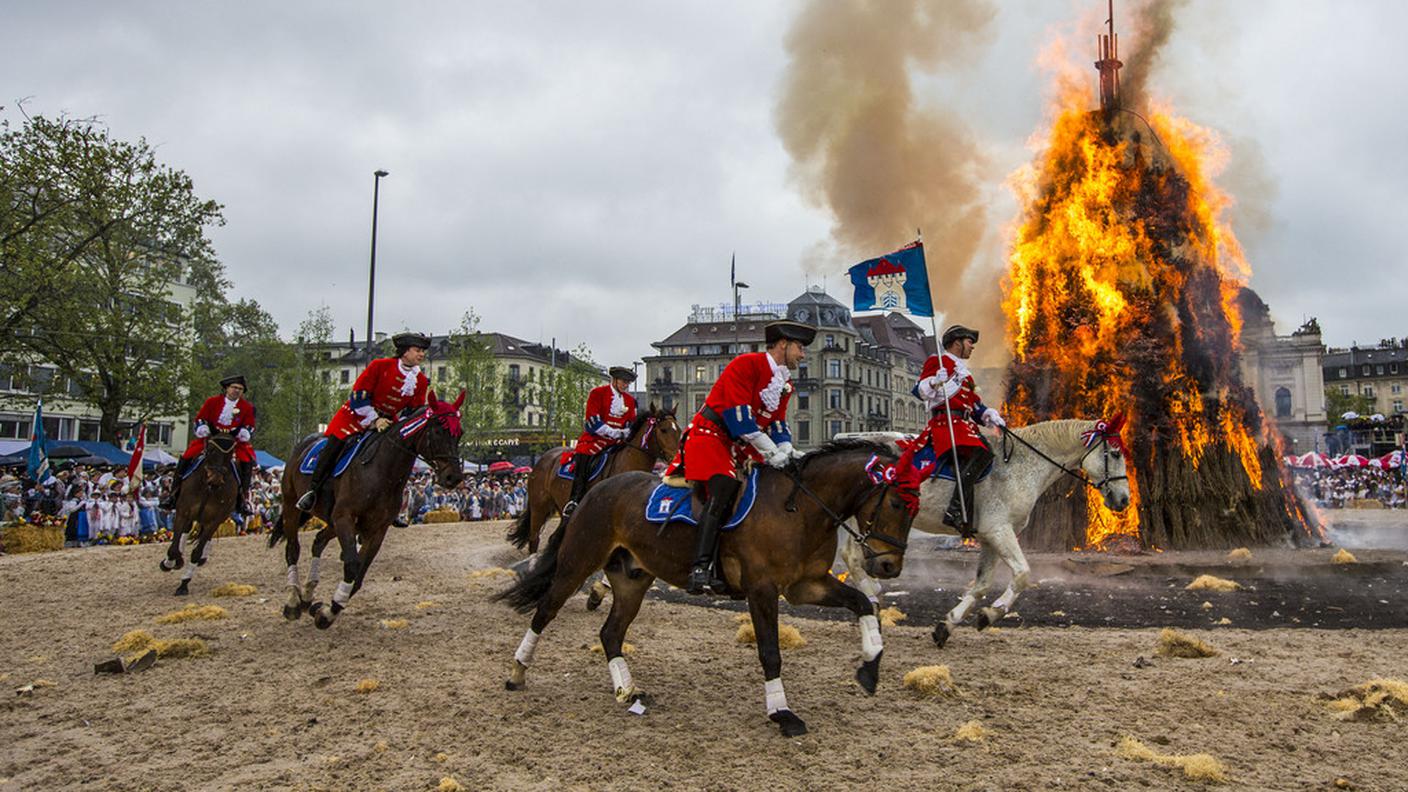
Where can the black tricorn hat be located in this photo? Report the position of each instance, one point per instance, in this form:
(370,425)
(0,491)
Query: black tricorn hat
(622,373)
(403,340)
(233,379)
(955,332)
(789,330)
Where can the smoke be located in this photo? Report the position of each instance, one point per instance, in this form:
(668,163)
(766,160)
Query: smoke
(1153,26)
(883,163)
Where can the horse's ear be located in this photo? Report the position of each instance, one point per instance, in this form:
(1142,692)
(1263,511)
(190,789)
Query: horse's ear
(459,401)
(432,399)
(652,408)
(1116,424)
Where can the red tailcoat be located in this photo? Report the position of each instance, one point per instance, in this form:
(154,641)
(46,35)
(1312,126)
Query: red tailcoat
(964,405)
(381,391)
(600,414)
(751,396)
(223,416)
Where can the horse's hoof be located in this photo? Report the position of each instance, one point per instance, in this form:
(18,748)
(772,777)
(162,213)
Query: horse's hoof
(200,562)
(509,684)
(183,590)
(868,675)
(987,617)
(791,725)
(594,600)
(941,634)
(292,613)
(176,563)
(163,565)
(321,619)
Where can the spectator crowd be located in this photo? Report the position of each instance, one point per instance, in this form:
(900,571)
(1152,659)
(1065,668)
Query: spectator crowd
(1344,487)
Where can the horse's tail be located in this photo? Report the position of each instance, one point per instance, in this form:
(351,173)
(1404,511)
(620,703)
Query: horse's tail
(520,533)
(533,586)
(276,532)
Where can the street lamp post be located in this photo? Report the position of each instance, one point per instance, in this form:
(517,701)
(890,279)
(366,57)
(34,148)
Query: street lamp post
(737,320)
(371,283)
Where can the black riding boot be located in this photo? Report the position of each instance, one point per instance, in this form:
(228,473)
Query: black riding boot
(972,464)
(705,574)
(327,458)
(242,500)
(581,470)
(169,502)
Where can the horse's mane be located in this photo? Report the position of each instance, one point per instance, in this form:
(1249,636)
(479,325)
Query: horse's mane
(843,445)
(1048,434)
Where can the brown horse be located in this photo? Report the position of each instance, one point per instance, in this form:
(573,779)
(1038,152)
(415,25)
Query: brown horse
(208,499)
(365,499)
(655,435)
(784,546)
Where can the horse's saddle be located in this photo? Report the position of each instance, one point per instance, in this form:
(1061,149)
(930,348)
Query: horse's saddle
(566,465)
(200,460)
(930,466)
(349,452)
(669,504)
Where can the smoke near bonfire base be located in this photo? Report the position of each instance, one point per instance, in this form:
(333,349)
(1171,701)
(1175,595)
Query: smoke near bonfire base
(867,149)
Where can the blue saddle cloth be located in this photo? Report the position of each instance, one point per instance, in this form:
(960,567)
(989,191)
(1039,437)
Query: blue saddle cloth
(310,457)
(676,504)
(564,471)
(200,460)
(925,459)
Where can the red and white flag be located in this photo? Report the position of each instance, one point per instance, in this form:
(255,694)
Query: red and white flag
(134,465)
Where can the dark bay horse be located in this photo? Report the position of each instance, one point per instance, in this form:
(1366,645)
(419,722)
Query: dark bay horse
(785,546)
(207,499)
(365,499)
(655,435)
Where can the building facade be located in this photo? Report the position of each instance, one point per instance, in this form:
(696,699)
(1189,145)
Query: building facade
(1286,374)
(856,377)
(1378,373)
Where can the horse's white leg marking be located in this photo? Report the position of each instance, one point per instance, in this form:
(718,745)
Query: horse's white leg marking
(189,573)
(621,681)
(343,593)
(181,542)
(313,570)
(1011,554)
(775,697)
(871,644)
(853,556)
(987,562)
(526,648)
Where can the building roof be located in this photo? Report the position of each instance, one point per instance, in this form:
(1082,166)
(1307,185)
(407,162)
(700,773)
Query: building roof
(501,344)
(895,331)
(1355,356)
(819,309)
(749,331)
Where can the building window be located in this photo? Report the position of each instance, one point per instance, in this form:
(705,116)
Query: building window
(833,399)
(439,373)
(346,376)
(1344,390)
(1393,368)
(804,401)
(1368,391)
(698,402)
(1365,369)
(833,368)
(514,372)
(804,431)
(801,371)
(1379,369)
(1396,388)
(14,427)
(89,430)
(327,377)
(667,373)
(1344,372)
(830,341)
(1397,406)
(833,428)
(667,403)
(701,373)
(1283,402)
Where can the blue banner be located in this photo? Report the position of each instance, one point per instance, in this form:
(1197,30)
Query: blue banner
(898,281)
(38,455)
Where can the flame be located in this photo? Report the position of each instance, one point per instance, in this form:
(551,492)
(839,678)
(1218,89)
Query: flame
(1121,292)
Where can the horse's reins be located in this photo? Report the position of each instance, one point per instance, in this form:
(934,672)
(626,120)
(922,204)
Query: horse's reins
(409,447)
(1008,435)
(861,538)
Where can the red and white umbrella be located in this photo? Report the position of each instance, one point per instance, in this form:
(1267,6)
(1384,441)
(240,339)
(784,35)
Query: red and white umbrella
(1312,459)
(1289,460)
(1391,460)
(1350,460)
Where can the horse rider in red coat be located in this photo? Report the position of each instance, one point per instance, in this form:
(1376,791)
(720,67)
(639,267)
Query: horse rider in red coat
(611,410)
(385,390)
(744,417)
(947,387)
(224,412)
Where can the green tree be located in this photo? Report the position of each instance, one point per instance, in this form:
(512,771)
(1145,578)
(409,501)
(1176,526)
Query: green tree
(566,389)
(96,238)
(1337,404)
(474,369)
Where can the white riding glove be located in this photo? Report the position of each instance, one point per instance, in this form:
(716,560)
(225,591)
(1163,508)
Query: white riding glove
(791,451)
(991,418)
(242,435)
(202,431)
(936,390)
(772,455)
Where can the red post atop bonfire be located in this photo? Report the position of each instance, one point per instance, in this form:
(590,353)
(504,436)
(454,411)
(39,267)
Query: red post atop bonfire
(1108,48)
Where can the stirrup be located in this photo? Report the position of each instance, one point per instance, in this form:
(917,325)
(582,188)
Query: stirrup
(568,509)
(699,580)
(308,501)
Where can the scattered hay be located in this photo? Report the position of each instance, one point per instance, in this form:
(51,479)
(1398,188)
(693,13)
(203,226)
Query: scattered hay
(1223,622)
(449,784)
(233,590)
(181,647)
(1173,643)
(972,731)
(367,685)
(788,637)
(1212,583)
(28,538)
(442,757)
(1198,767)
(380,746)
(44,683)
(1206,605)
(932,680)
(1343,557)
(394,624)
(491,572)
(1375,700)
(891,616)
(442,516)
(1058,613)
(626,648)
(427,604)
(1240,554)
(193,613)
(133,641)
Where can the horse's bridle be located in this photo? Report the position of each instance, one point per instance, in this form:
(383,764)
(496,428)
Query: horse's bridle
(864,492)
(409,447)
(1078,474)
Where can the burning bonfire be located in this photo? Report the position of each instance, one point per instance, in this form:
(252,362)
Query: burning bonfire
(1121,296)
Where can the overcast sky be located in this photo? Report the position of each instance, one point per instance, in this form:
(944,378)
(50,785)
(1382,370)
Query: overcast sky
(583,171)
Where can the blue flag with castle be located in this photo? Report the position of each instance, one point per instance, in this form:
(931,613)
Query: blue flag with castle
(897,281)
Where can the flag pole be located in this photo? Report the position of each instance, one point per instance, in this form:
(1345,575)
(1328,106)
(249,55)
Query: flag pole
(948,411)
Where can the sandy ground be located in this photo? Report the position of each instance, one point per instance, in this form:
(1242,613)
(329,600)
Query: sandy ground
(273,706)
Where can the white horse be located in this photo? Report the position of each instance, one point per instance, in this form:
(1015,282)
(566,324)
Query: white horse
(1040,454)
